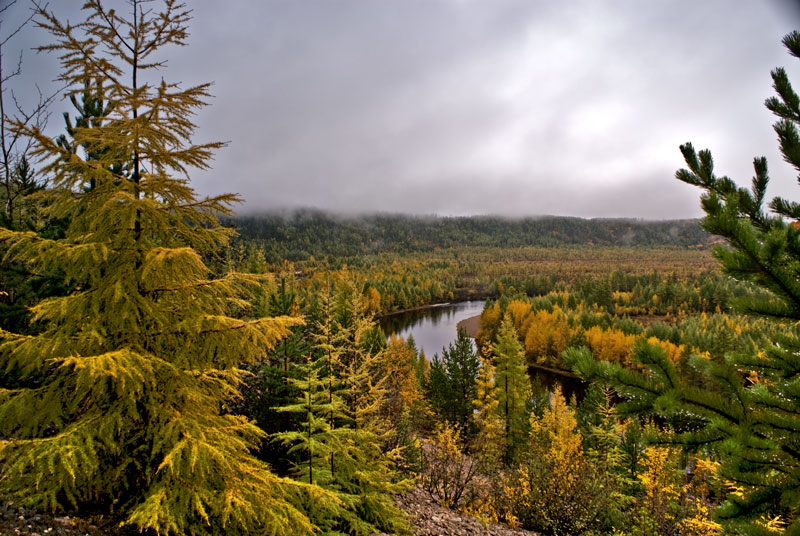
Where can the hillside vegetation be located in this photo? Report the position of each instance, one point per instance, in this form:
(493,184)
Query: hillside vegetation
(298,235)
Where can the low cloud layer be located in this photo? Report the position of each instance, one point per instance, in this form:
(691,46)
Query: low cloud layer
(513,107)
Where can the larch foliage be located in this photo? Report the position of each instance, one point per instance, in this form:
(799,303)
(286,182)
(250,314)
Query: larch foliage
(556,435)
(489,444)
(365,474)
(339,444)
(513,388)
(554,489)
(403,392)
(318,444)
(121,401)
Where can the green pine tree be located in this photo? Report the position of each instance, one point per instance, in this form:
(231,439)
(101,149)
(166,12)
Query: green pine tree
(123,402)
(92,112)
(750,421)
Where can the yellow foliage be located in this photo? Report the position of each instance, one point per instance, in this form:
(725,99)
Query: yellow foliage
(699,524)
(490,323)
(485,508)
(489,441)
(519,312)
(672,350)
(704,354)
(621,297)
(448,471)
(610,345)
(402,386)
(706,478)
(547,335)
(774,524)
(373,300)
(661,485)
(552,489)
(556,430)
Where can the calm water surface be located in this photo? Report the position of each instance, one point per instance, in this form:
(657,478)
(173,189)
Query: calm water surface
(432,328)
(435,328)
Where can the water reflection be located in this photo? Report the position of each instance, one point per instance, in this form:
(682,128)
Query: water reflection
(435,328)
(548,379)
(432,328)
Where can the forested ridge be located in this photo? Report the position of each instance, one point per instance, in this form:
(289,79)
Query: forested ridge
(300,234)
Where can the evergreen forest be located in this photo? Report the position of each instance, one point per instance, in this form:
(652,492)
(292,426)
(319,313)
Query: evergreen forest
(171,367)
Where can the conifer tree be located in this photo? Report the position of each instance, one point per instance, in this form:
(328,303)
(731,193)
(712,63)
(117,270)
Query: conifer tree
(340,437)
(403,401)
(19,180)
(488,443)
(317,444)
(452,381)
(124,395)
(557,490)
(752,423)
(15,144)
(365,471)
(513,388)
(91,112)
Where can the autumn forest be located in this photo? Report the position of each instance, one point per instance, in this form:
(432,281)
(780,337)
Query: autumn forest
(169,366)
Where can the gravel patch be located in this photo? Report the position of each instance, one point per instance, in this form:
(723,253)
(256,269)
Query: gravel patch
(429,518)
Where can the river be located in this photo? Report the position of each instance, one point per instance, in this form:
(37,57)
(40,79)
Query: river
(434,327)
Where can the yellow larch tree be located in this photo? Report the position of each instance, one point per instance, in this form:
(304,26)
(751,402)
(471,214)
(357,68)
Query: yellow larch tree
(547,335)
(121,401)
(554,489)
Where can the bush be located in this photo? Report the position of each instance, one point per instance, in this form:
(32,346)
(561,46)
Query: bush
(448,473)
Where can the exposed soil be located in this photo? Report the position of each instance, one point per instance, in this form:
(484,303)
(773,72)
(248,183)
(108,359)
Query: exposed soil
(15,521)
(471,325)
(426,516)
(431,519)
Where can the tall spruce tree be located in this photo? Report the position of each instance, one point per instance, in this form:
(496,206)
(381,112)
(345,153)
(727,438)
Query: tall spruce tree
(751,420)
(123,399)
(451,385)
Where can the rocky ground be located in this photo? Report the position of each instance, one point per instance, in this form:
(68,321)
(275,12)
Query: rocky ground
(431,519)
(427,517)
(15,521)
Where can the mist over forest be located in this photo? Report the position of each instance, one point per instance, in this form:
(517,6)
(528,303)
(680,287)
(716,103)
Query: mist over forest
(295,235)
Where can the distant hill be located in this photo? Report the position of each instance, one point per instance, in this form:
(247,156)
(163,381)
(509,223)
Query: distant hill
(298,235)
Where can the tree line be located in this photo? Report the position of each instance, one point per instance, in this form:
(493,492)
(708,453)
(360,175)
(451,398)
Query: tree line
(303,234)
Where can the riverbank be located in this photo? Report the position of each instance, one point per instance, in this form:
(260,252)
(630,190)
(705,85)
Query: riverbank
(460,297)
(471,325)
(412,310)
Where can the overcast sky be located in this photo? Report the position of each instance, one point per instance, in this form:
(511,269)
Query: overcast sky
(459,107)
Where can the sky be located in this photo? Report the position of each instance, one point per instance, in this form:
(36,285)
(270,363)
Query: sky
(463,107)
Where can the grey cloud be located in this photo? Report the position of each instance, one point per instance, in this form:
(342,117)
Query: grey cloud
(512,107)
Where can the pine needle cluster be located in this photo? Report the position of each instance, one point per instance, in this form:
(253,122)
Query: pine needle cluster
(748,414)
